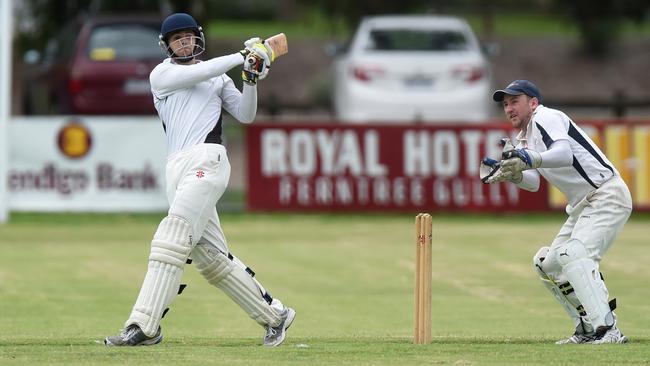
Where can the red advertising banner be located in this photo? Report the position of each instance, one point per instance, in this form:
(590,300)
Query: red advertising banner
(330,167)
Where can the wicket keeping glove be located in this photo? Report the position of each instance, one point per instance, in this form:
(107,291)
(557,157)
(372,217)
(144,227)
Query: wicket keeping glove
(517,160)
(490,171)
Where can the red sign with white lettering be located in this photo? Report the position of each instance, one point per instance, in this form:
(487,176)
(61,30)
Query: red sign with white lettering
(379,168)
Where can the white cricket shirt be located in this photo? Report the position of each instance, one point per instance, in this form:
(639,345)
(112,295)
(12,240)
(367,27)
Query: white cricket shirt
(189,99)
(590,167)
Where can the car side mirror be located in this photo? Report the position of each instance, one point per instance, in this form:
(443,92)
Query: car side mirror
(32,57)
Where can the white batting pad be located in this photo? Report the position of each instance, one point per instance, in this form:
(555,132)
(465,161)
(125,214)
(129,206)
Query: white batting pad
(583,274)
(170,249)
(231,277)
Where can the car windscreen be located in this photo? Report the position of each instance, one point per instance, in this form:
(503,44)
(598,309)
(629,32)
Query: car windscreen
(417,40)
(120,42)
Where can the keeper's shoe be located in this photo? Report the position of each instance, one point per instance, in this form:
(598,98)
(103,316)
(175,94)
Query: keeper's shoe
(609,335)
(133,336)
(577,338)
(275,335)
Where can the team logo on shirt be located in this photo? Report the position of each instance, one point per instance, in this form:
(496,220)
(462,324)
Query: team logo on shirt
(200,174)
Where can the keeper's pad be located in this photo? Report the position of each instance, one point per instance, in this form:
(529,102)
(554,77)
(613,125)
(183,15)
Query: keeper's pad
(235,279)
(170,249)
(562,291)
(583,275)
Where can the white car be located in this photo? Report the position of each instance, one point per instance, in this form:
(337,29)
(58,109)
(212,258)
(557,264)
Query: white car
(413,68)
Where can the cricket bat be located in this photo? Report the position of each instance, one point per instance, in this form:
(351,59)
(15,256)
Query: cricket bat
(278,43)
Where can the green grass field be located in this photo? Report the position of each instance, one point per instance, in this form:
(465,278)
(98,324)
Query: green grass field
(69,280)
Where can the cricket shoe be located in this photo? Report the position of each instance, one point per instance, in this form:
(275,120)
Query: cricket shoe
(577,338)
(609,335)
(275,335)
(133,336)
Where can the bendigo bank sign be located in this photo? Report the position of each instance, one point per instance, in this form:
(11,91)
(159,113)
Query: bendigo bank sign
(385,168)
(86,164)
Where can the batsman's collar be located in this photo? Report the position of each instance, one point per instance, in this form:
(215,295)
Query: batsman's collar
(518,87)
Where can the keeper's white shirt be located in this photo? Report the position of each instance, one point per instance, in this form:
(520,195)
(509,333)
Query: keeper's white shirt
(189,99)
(590,167)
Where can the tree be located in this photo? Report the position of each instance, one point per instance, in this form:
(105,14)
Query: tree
(48,17)
(352,11)
(599,22)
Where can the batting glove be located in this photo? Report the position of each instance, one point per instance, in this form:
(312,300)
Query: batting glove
(520,159)
(253,68)
(257,61)
(257,44)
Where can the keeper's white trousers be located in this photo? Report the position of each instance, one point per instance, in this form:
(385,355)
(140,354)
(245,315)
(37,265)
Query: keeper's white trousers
(196,179)
(598,218)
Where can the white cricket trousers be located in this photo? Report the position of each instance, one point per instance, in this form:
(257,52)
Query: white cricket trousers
(597,219)
(196,179)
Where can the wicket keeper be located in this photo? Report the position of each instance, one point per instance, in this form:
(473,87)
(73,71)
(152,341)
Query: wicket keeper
(551,145)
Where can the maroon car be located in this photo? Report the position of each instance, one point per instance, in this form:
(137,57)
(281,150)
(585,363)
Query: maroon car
(99,65)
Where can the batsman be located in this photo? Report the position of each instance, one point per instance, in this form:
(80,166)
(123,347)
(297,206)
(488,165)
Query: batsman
(189,96)
(551,145)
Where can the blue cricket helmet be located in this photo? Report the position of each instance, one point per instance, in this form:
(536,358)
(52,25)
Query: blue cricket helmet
(177,22)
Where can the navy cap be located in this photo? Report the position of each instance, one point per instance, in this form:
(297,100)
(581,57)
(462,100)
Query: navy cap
(518,87)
